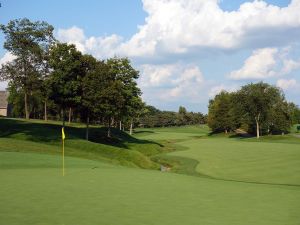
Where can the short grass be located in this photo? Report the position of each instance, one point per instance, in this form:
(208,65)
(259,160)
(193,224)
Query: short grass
(172,133)
(218,180)
(33,192)
(262,162)
(270,159)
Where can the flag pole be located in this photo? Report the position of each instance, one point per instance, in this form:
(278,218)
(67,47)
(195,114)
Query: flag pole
(63,150)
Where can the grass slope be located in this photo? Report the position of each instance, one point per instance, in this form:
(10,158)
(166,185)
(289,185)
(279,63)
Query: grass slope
(35,136)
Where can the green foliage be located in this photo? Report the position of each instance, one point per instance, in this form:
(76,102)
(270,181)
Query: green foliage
(29,42)
(256,108)
(221,115)
(64,81)
(295,113)
(124,77)
(152,117)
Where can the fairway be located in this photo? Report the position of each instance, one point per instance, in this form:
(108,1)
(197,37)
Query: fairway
(34,192)
(219,180)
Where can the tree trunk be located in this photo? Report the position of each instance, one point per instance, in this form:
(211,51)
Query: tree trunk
(45,110)
(87,128)
(226,131)
(26,106)
(108,130)
(130,131)
(70,115)
(120,125)
(63,117)
(257,125)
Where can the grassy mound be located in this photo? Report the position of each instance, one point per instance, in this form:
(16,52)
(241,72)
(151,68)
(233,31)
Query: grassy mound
(36,136)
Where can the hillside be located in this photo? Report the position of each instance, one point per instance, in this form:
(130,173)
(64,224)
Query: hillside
(40,137)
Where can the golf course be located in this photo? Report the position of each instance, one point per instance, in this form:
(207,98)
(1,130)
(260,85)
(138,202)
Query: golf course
(212,179)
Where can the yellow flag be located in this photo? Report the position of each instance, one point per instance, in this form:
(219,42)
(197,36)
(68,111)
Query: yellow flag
(63,136)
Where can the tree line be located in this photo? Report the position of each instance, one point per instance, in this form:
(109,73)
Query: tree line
(257,109)
(49,79)
(47,76)
(153,117)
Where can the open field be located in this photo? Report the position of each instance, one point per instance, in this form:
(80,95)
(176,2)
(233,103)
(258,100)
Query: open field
(235,182)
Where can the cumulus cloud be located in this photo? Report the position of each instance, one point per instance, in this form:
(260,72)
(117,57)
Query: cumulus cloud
(181,27)
(6,58)
(286,84)
(289,65)
(217,89)
(101,47)
(266,63)
(259,65)
(171,81)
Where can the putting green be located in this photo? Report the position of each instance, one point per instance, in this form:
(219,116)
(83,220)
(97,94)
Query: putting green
(33,192)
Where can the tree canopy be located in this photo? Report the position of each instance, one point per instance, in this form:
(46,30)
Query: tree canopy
(257,108)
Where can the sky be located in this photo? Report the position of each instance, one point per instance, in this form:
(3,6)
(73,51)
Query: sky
(186,51)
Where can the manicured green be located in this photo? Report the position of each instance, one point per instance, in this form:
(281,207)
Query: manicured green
(34,192)
(225,181)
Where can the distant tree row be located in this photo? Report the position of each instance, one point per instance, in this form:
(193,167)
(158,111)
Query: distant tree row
(152,117)
(256,108)
(48,77)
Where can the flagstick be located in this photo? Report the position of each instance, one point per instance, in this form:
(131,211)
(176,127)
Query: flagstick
(63,155)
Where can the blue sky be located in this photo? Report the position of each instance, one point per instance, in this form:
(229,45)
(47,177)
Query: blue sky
(186,50)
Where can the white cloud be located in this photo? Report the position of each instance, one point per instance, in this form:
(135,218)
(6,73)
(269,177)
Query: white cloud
(72,34)
(217,89)
(178,26)
(287,84)
(186,26)
(266,63)
(6,58)
(259,65)
(157,75)
(171,81)
(289,65)
(100,47)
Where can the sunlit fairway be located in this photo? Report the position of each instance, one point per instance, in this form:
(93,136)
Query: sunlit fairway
(234,182)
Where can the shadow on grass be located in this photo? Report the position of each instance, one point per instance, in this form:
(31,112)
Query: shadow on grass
(144,131)
(44,132)
(231,135)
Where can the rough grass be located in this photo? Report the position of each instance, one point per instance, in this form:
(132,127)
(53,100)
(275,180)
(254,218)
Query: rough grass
(35,136)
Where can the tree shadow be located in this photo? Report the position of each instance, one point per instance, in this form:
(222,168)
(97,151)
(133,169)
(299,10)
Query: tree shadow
(144,131)
(46,132)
